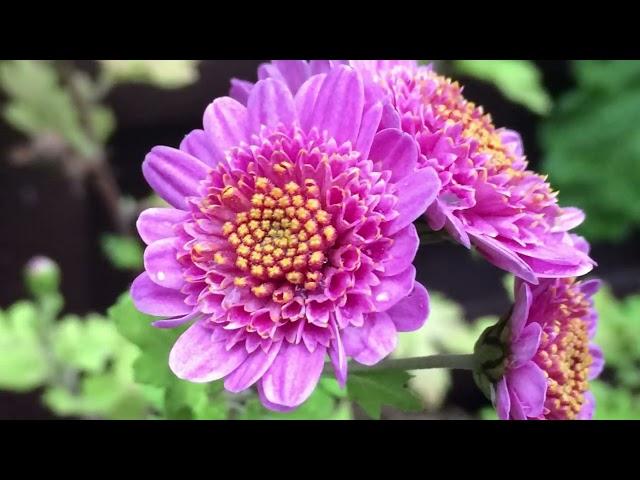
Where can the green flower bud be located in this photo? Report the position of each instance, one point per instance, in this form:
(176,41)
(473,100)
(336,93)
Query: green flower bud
(42,276)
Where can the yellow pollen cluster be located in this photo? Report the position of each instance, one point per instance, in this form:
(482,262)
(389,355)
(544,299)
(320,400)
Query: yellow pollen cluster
(565,358)
(281,238)
(477,125)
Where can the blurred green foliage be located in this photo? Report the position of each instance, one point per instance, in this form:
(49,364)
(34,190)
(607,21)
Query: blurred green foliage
(518,80)
(39,103)
(83,365)
(160,73)
(591,146)
(124,252)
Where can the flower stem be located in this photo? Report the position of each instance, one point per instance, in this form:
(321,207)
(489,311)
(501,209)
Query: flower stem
(455,362)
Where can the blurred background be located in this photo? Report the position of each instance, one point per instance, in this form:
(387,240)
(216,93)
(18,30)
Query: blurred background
(72,139)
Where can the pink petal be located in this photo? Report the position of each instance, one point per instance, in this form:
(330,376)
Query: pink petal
(411,312)
(198,145)
(195,357)
(372,342)
(396,151)
(225,121)
(157,223)
(152,299)
(270,103)
(293,375)
(252,369)
(403,250)
(392,289)
(161,263)
(173,174)
(415,193)
(339,105)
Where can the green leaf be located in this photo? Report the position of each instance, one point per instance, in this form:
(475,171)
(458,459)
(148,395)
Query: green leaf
(23,362)
(618,335)
(85,345)
(125,253)
(100,396)
(159,73)
(195,400)
(591,137)
(614,403)
(38,103)
(488,413)
(103,122)
(518,80)
(152,365)
(375,389)
(321,405)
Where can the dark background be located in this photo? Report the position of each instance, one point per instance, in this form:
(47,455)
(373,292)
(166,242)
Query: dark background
(42,211)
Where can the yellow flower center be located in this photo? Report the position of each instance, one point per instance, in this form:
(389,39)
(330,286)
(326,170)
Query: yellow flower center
(282,237)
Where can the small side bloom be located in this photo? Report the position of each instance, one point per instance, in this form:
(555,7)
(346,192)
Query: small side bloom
(551,355)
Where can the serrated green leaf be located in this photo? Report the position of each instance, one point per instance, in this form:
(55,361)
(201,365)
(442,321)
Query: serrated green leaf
(125,253)
(86,345)
(321,405)
(375,389)
(518,80)
(152,364)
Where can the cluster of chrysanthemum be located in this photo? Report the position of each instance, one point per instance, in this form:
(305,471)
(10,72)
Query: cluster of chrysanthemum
(290,239)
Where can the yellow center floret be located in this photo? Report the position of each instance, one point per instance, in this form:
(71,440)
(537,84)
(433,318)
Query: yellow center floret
(281,239)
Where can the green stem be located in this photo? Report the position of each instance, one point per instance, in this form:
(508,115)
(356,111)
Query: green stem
(450,361)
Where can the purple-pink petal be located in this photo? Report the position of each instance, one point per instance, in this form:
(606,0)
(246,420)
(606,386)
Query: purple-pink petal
(403,250)
(411,312)
(372,342)
(225,121)
(339,105)
(252,369)
(157,223)
(293,374)
(396,151)
(195,357)
(526,345)
(529,384)
(392,289)
(597,359)
(198,145)
(173,174)
(152,299)
(270,103)
(415,193)
(503,258)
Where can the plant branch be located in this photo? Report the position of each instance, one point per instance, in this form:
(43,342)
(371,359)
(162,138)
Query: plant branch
(451,361)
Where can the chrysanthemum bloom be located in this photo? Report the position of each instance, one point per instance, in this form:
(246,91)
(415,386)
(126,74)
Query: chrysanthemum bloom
(290,238)
(488,197)
(550,357)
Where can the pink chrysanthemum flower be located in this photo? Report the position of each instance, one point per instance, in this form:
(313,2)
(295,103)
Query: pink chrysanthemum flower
(290,238)
(488,197)
(550,354)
